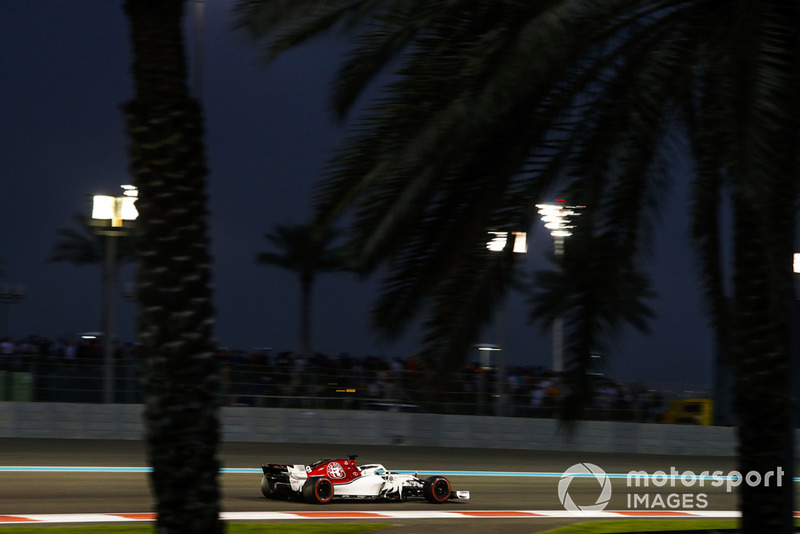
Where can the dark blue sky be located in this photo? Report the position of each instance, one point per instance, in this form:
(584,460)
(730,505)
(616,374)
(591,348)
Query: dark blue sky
(64,68)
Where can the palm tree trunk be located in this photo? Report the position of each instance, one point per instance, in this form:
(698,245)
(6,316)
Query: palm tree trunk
(761,355)
(180,380)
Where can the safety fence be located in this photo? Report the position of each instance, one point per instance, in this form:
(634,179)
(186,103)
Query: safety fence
(471,391)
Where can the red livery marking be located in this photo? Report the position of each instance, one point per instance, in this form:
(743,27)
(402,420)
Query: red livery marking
(655,513)
(142,517)
(335,515)
(13,519)
(499,514)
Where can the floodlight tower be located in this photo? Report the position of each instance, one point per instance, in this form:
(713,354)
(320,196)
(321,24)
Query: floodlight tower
(557,219)
(110,215)
(498,241)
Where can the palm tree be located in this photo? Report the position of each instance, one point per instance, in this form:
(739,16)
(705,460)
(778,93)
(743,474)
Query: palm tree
(495,102)
(85,246)
(305,250)
(88,246)
(181,382)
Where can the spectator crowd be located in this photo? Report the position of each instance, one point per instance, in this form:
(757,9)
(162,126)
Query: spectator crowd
(69,368)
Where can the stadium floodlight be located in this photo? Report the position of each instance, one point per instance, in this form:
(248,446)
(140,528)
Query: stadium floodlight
(116,209)
(557,219)
(109,214)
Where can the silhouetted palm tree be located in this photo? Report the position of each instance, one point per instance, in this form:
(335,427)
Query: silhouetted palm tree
(494,102)
(181,382)
(83,245)
(306,250)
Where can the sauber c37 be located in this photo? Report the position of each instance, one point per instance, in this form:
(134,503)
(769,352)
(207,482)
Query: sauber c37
(333,479)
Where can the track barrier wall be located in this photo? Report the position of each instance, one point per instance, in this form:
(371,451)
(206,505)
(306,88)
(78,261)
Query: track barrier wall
(276,425)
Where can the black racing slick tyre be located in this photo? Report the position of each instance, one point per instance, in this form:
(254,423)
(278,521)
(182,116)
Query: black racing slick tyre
(436,490)
(267,489)
(318,490)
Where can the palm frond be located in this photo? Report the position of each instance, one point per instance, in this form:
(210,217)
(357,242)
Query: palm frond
(303,248)
(285,24)
(84,245)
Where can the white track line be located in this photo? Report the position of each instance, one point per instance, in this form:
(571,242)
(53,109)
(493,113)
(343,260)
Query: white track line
(377,515)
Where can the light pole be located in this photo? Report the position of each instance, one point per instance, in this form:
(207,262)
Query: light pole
(497,243)
(109,215)
(556,218)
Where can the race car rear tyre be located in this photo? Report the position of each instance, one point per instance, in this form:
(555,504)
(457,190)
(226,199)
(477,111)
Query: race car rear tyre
(267,489)
(318,490)
(436,490)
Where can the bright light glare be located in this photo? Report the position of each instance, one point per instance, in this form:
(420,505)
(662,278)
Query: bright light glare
(796,263)
(556,218)
(498,242)
(500,239)
(520,242)
(103,207)
(116,209)
(130,191)
(127,209)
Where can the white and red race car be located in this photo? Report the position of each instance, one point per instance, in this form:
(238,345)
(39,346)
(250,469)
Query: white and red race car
(328,479)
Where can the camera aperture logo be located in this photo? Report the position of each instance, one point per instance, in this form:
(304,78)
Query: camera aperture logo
(584,470)
(672,489)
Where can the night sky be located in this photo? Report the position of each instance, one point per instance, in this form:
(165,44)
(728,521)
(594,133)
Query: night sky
(64,67)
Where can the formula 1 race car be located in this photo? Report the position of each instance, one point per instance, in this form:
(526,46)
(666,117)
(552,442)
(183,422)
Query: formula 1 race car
(327,479)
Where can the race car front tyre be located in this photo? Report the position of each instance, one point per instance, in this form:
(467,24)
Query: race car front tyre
(318,490)
(267,489)
(436,490)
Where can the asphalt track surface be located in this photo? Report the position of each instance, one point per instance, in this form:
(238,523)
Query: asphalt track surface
(497,479)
